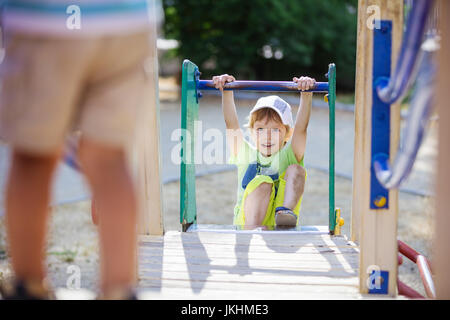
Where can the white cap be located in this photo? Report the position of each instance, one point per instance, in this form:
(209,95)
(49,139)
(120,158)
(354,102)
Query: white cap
(279,105)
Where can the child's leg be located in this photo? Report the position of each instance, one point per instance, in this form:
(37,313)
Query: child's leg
(256,203)
(295,185)
(94,211)
(70,157)
(113,191)
(290,192)
(27,210)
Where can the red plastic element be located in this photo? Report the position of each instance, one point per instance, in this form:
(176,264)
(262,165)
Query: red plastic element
(424,269)
(407,291)
(425,274)
(400,260)
(407,251)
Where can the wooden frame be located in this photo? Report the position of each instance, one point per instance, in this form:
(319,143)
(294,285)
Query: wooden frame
(441,244)
(146,153)
(375,230)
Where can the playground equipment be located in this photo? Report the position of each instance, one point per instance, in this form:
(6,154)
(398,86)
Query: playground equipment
(441,243)
(375,194)
(413,56)
(377,121)
(190,96)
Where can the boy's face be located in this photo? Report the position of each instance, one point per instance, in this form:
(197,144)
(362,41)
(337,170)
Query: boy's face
(268,135)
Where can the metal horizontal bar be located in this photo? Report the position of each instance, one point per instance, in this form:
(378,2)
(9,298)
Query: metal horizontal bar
(263,86)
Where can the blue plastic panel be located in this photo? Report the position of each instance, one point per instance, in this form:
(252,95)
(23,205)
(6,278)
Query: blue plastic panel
(381,112)
(382,286)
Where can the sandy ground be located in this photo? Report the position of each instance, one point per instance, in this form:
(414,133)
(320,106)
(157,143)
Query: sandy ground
(73,238)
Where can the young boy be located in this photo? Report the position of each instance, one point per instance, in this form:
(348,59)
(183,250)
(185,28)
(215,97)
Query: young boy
(271,175)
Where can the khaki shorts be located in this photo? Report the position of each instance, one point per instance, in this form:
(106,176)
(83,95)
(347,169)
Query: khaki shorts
(50,86)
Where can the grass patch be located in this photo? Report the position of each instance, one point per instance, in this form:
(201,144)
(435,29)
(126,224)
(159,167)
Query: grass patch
(66,255)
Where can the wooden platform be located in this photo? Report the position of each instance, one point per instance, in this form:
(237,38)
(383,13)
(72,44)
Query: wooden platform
(222,263)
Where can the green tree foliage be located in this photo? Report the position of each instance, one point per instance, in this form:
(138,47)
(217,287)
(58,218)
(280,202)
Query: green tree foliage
(266,39)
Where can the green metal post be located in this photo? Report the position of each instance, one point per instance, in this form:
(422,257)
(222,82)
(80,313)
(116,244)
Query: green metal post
(332,117)
(189,116)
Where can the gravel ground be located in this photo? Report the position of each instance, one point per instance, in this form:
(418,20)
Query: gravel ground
(73,238)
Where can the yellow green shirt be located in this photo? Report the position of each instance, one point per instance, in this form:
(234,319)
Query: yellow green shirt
(250,162)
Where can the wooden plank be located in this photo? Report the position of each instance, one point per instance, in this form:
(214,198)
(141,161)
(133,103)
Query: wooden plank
(256,246)
(310,270)
(147,156)
(327,266)
(362,195)
(322,263)
(240,267)
(226,263)
(441,244)
(344,262)
(212,264)
(218,235)
(376,230)
(386,229)
(282,245)
(200,285)
(174,293)
(172,247)
(255,239)
(245,241)
(217,294)
(363,62)
(268,243)
(387,252)
(158,293)
(248,278)
(255,256)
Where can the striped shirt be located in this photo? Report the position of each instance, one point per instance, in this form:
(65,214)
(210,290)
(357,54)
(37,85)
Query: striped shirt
(79,17)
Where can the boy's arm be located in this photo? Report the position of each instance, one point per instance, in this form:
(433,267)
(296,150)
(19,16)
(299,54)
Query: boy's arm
(298,141)
(234,133)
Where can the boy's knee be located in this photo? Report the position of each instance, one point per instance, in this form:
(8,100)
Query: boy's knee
(255,205)
(97,159)
(295,171)
(264,187)
(295,174)
(31,161)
